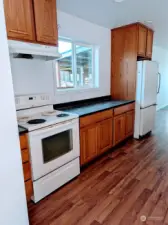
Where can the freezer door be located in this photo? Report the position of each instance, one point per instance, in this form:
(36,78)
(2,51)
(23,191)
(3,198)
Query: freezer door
(147,120)
(149,83)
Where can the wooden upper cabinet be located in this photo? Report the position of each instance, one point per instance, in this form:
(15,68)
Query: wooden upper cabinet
(130,62)
(46,21)
(105,133)
(117,68)
(19,19)
(142,40)
(129,44)
(88,143)
(149,46)
(124,62)
(129,120)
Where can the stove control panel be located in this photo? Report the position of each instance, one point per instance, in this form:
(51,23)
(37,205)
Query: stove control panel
(27,101)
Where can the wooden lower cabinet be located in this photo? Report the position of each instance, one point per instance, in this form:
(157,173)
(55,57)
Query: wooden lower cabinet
(88,143)
(123,126)
(29,189)
(119,128)
(129,120)
(101,131)
(26,166)
(95,139)
(105,135)
(27,171)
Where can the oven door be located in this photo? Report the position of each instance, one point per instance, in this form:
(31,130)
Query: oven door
(54,146)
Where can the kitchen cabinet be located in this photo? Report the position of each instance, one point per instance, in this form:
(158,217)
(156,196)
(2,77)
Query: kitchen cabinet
(26,171)
(19,19)
(145,41)
(26,166)
(149,47)
(119,129)
(88,142)
(123,122)
(142,40)
(123,109)
(129,44)
(95,135)
(28,189)
(124,57)
(46,21)
(101,131)
(129,121)
(105,135)
(32,20)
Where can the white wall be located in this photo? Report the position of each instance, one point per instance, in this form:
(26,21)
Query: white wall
(13,208)
(161,56)
(81,30)
(31,78)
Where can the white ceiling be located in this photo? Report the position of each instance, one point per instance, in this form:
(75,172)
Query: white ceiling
(109,14)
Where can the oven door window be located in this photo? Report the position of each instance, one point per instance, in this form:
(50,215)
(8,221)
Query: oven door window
(57,145)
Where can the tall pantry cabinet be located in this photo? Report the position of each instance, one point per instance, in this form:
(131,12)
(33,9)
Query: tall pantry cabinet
(129,44)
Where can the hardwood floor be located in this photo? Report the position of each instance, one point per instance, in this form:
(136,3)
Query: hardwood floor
(126,187)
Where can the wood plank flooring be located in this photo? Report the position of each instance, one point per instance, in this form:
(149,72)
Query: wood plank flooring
(128,186)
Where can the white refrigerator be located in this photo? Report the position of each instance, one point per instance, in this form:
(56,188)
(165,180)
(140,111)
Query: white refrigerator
(147,88)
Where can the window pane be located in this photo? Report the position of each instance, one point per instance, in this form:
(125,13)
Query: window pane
(84,66)
(65,78)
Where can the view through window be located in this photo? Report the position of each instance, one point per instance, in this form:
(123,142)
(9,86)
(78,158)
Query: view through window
(76,67)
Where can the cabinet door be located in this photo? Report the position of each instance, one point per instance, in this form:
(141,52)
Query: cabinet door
(46,21)
(149,47)
(19,19)
(130,56)
(129,128)
(124,63)
(119,128)
(142,39)
(105,132)
(29,189)
(88,143)
(118,79)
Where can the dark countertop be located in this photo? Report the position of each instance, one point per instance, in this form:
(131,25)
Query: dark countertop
(22,130)
(93,107)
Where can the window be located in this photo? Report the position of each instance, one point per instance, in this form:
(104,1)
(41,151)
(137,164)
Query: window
(76,67)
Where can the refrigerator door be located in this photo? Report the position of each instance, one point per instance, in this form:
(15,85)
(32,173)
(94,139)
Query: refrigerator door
(147,120)
(148,72)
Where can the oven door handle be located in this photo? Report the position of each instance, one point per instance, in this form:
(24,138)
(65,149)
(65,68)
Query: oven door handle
(53,127)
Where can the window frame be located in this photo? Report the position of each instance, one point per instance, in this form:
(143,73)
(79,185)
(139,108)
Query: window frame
(95,73)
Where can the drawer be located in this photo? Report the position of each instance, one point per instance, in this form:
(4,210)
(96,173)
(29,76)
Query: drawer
(29,189)
(23,141)
(25,155)
(123,109)
(96,117)
(27,171)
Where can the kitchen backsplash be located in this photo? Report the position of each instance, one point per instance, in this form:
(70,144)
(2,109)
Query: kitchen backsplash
(32,76)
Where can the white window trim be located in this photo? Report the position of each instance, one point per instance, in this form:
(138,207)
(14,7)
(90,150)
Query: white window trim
(76,88)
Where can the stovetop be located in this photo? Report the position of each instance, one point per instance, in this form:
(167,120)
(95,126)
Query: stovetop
(33,119)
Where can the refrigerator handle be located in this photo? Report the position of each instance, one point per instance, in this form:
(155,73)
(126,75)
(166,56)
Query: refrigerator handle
(159,83)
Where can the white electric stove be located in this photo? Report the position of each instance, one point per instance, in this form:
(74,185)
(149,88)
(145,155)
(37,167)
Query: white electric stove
(54,147)
(40,117)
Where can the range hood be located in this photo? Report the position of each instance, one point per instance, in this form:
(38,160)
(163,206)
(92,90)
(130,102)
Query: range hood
(33,51)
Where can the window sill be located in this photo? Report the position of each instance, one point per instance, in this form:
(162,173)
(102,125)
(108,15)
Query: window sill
(75,90)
